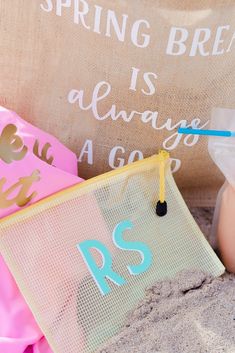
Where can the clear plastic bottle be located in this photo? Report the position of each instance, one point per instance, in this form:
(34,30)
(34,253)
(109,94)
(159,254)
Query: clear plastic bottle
(222,151)
(226,228)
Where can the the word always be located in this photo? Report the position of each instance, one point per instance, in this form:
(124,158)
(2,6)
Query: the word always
(105,271)
(101,94)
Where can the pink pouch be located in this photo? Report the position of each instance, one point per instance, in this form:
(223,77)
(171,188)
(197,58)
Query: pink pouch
(33,165)
(41,144)
(26,158)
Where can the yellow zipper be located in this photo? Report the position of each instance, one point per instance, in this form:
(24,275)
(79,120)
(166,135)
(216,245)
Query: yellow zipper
(161,157)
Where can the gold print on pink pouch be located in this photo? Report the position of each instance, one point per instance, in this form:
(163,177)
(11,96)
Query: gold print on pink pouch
(12,147)
(21,199)
(43,155)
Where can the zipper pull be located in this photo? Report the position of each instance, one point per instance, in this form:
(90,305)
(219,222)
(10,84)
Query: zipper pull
(161,208)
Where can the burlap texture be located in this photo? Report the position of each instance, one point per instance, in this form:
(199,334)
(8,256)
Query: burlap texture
(47,51)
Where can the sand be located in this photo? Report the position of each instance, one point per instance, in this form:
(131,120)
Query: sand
(203,216)
(191,314)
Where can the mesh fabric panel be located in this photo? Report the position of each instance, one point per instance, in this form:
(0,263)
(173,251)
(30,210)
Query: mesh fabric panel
(40,246)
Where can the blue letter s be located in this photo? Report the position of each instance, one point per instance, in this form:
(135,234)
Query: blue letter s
(141,248)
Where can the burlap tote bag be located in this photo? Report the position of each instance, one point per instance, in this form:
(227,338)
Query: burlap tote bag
(114,80)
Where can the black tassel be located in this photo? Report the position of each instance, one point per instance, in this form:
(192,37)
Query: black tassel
(161,208)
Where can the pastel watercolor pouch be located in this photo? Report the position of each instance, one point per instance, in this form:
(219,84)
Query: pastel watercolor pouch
(83,268)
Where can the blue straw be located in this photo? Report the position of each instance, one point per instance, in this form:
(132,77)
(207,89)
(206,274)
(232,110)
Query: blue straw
(221,133)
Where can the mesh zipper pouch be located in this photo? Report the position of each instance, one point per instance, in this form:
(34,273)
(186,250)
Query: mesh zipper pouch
(84,256)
